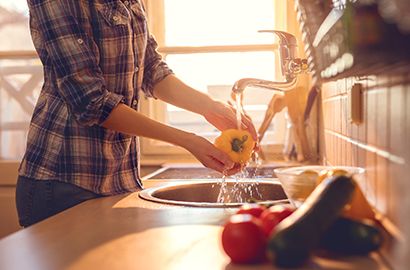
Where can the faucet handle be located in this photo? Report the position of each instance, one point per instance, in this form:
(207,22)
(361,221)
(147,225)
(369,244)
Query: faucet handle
(285,38)
(299,66)
(288,49)
(288,44)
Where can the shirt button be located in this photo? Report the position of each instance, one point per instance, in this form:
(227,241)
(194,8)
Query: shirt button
(115,18)
(80,41)
(136,69)
(126,3)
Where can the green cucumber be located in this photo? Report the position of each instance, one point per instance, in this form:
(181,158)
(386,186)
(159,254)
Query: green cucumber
(293,239)
(348,236)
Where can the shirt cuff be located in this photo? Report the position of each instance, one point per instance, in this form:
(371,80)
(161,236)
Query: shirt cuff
(152,78)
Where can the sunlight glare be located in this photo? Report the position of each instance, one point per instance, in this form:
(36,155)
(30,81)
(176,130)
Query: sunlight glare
(218,22)
(17,5)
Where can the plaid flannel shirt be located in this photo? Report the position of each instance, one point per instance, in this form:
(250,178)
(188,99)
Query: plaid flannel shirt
(96,54)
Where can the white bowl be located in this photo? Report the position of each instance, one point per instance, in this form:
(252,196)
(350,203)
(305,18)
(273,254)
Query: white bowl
(299,182)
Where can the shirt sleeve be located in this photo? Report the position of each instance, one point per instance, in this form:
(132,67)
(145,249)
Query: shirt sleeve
(155,68)
(61,31)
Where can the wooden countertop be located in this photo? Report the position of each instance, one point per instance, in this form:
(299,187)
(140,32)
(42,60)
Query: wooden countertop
(125,232)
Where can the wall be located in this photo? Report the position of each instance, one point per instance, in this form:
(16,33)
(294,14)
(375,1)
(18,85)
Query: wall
(379,143)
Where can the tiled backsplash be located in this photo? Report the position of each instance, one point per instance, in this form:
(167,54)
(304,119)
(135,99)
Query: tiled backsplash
(380,142)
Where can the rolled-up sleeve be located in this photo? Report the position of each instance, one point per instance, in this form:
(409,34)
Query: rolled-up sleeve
(155,68)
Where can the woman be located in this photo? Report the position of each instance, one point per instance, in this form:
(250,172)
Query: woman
(83,137)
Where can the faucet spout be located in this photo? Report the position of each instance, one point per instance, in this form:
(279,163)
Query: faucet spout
(286,85)
(291,66)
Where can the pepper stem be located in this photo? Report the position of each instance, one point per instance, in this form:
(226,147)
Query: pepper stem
(237,145)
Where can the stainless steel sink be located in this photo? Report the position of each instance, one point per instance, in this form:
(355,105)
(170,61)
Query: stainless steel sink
(206,193)
(198,172)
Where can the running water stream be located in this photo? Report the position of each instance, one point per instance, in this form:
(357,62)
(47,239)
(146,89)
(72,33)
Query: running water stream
(239,110)
(234,195)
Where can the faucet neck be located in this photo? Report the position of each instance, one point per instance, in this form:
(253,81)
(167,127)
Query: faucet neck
(286,85)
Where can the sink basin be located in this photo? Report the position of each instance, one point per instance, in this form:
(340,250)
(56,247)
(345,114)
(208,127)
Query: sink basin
(206,193)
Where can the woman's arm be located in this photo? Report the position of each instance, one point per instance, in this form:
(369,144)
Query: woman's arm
(173,91)
(124,119)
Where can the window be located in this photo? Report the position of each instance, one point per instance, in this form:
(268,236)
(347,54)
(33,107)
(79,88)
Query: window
(20,78)
(210,45)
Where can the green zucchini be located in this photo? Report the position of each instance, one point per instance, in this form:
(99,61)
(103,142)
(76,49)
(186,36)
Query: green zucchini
(350,236)
(293,239)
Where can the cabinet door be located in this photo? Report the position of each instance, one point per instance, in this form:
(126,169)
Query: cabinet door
(8,213)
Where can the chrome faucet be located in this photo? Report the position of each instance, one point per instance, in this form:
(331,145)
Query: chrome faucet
(291,65)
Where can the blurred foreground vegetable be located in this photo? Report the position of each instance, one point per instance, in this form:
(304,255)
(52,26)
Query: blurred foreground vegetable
(292,235)
(253,209)
(243,239)
(293,240)
(359,207)
(348,236)
(273,216)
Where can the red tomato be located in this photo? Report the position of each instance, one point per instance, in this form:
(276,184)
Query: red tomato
(273,215)
(243,239)
(253,209)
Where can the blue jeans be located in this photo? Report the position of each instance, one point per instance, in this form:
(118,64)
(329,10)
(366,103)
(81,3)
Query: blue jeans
(39,199)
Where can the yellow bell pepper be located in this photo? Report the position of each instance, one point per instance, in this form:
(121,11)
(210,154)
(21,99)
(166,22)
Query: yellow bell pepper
(237,144)
(358,208)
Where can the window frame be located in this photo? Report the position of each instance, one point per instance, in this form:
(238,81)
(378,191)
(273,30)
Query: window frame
(152,151)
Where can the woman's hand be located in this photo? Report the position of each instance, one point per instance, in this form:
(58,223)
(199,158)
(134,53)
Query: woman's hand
(223,117)
(210,156)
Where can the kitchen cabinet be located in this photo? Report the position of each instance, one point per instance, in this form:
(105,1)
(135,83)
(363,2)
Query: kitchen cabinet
(9,220)
(126,232)
(8,178)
